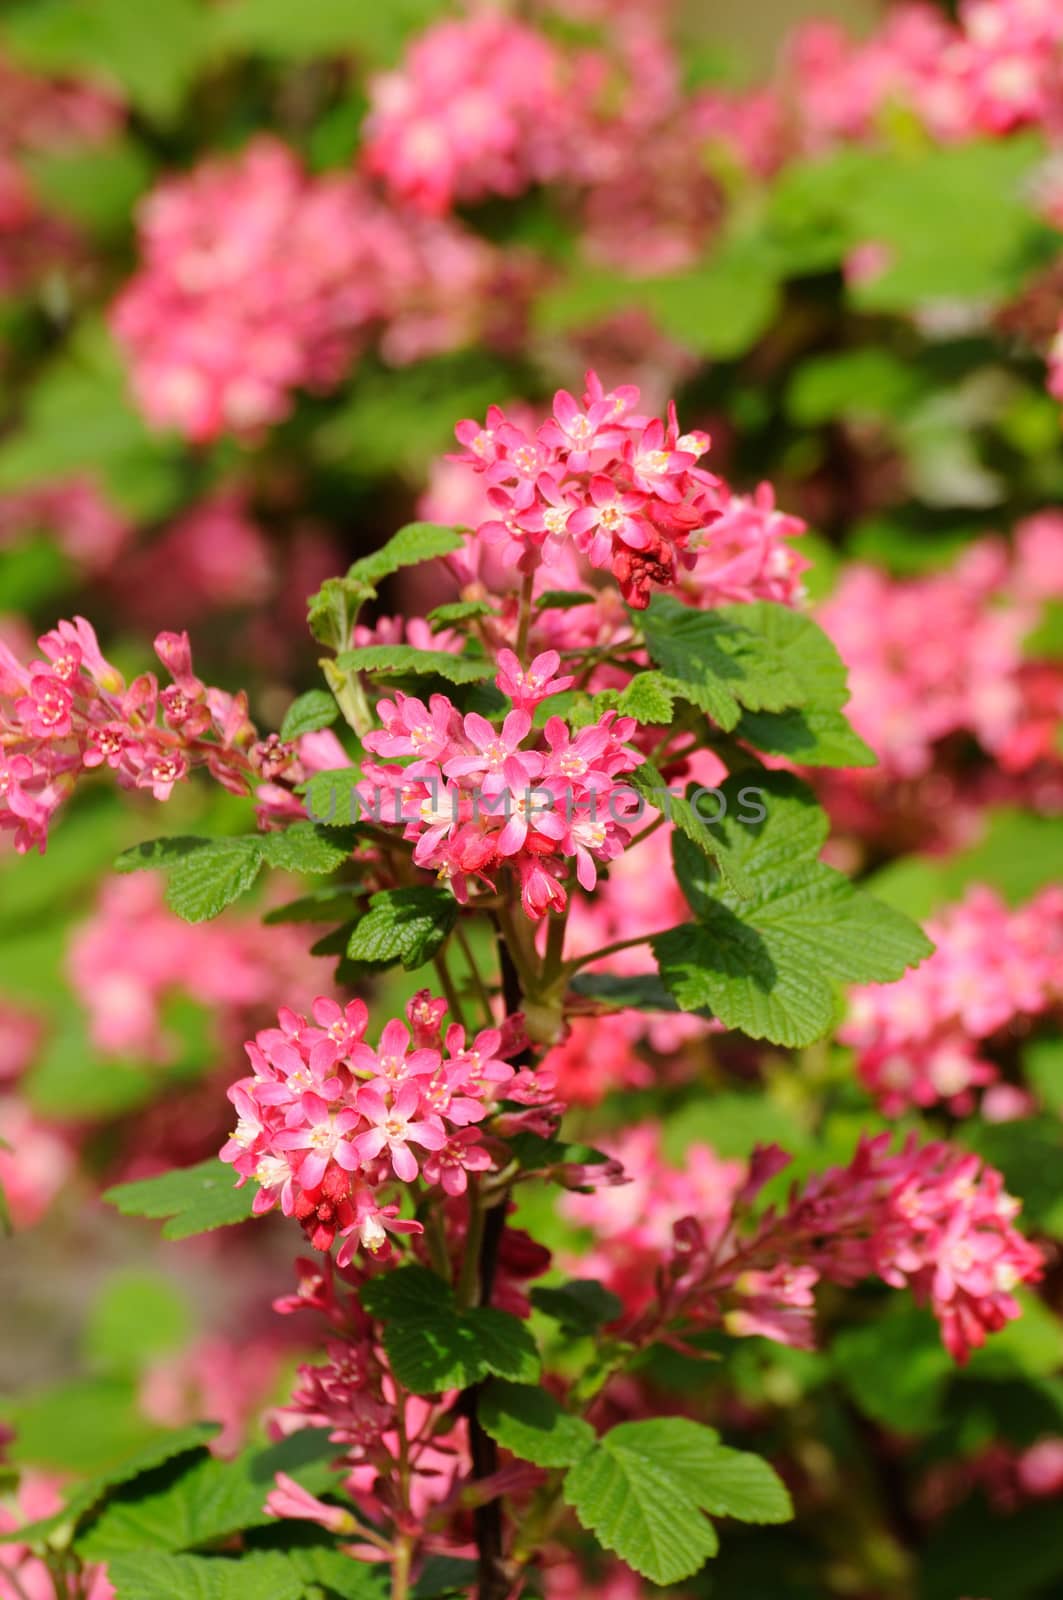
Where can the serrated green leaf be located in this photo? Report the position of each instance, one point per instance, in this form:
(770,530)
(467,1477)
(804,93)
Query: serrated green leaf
(647,699)
(314,710)
(330,797)
(812,738)
(200,1500)
(416,542)
(504,1345)
(531,1424)
(255,1575)
(340,1576)
(433,1346)
(637,1496)
(766,964)
(302,847)
(204,881)
(685,816)
(402,660)
(195,1199)
(717,660)
(735,1483)
(407,925)
(58,1529)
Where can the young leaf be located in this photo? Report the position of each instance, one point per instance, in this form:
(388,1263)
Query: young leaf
(407,925)
(530,1423)
(194,1199)
(815,737)
(416,542)
(638,1499)
(401,660)
(313,710)
(766,965)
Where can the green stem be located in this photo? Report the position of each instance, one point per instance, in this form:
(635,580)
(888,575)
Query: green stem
(401,1562)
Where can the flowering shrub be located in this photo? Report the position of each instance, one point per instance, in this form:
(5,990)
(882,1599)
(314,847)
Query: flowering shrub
(528,938)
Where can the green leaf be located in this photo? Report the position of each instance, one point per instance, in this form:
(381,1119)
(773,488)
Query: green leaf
(641,991)
(401,660)
(459,611)
(723,306)
(84,1425)
(735,1483)
(766,964)
(302,847)
(685,816)
(199,1500)
(194,1199)
(530,1423)
(322,905)
(812,738)
(331,1574)
(802,648)
(285,32)
(416,542)
(205,875)
(330,797)
(207,880)
(868,381)
(647,698)
(99,38)
(637,1492)
(1042,1061)
(58,1529)
(929,212)
(720,660)
(580,1306)
(563,599)
(407,925)
(255,1575)
(433,1346)
(313,710)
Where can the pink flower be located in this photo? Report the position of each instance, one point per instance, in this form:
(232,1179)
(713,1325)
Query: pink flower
(394,1125)
(527,689)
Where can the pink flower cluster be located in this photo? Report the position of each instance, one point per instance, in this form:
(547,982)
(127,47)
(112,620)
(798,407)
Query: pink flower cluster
(258,279)
(479,106)
(326,1121)
(997,68)
(746,554)
(928,1218)
(912,689)
(929,1038)
(72,711)
(476,798)
(625,490)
